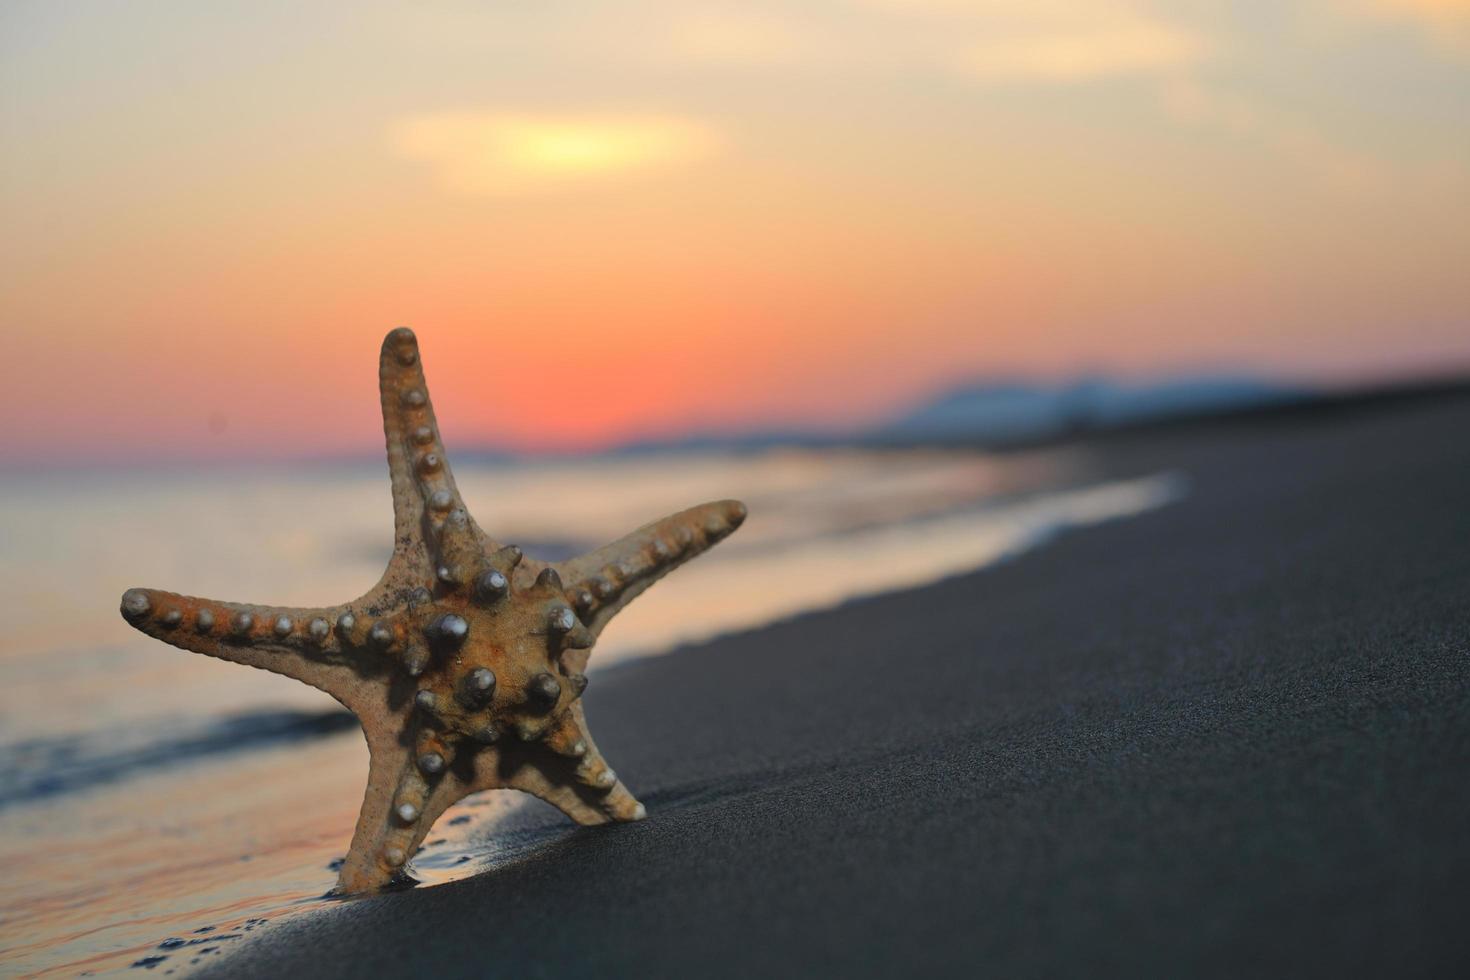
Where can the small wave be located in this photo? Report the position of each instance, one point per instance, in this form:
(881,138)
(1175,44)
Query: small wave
(47,767)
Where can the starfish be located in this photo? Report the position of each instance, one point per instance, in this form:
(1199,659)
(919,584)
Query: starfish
(465,664)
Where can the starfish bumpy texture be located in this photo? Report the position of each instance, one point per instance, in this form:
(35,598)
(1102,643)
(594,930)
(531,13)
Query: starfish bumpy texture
(465,663)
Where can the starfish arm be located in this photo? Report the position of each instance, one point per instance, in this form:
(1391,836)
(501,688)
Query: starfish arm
(565,769)
(313,645)
(600,583)
(434,535)
(399,808)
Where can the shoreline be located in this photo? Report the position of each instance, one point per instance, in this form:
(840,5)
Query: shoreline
(1227,736)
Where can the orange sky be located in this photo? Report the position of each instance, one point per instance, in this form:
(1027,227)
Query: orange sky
(613,220)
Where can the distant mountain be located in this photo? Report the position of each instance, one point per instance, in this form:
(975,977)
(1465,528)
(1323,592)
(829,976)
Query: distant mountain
(1002,413)
(724,442)
(1007,412)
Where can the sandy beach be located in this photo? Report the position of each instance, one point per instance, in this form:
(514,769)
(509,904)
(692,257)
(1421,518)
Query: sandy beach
(1036,436)
(1228,737)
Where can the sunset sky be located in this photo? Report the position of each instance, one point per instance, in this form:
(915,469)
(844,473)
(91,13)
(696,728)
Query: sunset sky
(626,219)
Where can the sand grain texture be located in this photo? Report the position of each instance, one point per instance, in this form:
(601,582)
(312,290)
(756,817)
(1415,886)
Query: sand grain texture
(1231,737)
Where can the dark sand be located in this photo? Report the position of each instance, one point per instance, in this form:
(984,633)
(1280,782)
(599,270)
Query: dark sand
(1231,737)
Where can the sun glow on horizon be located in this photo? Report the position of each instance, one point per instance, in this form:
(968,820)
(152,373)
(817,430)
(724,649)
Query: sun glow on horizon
(478,152)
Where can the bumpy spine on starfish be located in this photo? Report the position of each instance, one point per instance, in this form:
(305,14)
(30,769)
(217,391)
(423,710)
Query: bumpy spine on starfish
(410,661)
(602,582)
(410,786)
(308,644)
(434,533)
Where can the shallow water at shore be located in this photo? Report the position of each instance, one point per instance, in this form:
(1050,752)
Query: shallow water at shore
(159,804)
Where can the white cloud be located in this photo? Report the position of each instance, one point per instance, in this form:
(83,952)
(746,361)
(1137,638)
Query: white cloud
(1189,103)
(739,37)
(1046,41)
(1446,21)
(1141,48)
(1343,169)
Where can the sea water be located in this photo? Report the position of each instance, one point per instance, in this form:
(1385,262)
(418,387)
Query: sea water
(157,805)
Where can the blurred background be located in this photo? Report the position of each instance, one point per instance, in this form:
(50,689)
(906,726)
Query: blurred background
(875,266)
(625,220)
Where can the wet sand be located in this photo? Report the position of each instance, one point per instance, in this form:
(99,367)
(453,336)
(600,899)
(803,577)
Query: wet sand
(1230,737)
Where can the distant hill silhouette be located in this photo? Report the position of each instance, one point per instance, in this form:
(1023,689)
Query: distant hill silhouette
(1002,413)
(1006,412)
